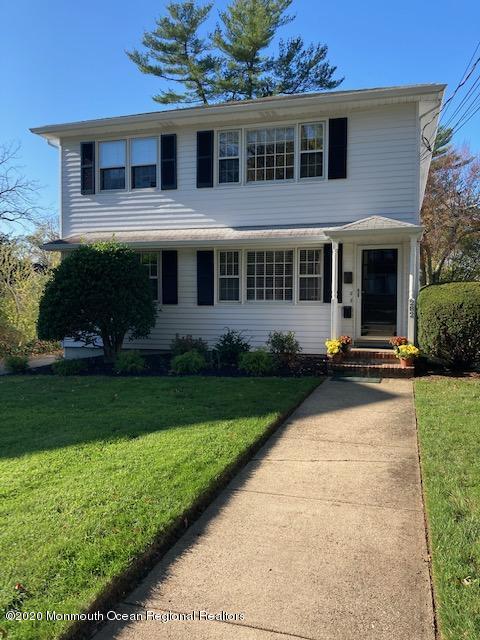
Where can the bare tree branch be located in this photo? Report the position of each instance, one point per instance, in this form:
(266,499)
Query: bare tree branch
(450,212)
(18,194)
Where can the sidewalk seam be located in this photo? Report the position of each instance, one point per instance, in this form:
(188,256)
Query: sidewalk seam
(426,528)
(329,500)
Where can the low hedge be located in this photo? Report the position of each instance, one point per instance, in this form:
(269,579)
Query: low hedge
(449,322)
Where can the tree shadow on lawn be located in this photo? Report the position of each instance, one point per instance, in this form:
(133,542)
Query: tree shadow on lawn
(43,413)
(46,413)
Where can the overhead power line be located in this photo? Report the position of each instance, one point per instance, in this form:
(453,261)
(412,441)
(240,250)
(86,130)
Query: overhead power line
(465,110)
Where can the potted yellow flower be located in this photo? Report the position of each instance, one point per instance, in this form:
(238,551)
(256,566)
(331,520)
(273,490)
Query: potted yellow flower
(334,349)
(407,353)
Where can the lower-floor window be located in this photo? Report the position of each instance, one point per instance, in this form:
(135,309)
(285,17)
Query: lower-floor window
(150,262)
(270,275)
(229,276)
(309,275)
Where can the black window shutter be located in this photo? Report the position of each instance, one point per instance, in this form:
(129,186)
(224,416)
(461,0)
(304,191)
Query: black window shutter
(87,168)
(204,159)
(337,148)
(168,161)
(169,277)
(340,272)
(205,283)
(327,273)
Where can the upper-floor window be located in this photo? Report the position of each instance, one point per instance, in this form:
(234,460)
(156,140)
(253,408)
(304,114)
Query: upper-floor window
(311,150)
(228,156)
(112,164)
(270,154)
(143,162)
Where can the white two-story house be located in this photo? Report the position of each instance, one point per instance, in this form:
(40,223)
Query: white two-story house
(291,213)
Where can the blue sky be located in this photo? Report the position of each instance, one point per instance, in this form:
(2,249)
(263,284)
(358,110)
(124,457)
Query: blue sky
(65,60)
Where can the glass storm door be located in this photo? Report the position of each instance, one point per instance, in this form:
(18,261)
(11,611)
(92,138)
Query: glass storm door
(379,292)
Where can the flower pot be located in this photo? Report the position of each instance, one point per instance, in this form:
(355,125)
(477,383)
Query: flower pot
(336,357)
(406,362)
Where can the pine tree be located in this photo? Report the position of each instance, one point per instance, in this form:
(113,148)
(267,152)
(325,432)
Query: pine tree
(442,141)
(298,69)
(247,30)
(176,52)
(235,62)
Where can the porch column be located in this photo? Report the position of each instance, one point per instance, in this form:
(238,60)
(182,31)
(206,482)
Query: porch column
(412,288)
(334,306)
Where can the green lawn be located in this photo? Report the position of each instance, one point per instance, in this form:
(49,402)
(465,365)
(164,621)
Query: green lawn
(448,413)
(92,469)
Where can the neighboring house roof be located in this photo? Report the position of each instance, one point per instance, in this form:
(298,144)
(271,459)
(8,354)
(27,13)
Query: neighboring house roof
(235,235)
(279,105)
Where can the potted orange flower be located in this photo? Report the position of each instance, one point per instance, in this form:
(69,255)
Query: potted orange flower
(346,343)
(398,341)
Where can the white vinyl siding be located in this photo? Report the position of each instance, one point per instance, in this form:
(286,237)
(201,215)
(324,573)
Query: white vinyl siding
(382,180)
(311,322)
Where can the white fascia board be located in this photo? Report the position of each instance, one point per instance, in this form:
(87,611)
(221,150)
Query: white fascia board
(244,111)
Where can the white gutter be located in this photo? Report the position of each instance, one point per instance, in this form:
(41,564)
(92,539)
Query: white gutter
(206,112)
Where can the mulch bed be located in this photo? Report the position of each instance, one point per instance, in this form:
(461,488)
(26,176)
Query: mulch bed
(159,365)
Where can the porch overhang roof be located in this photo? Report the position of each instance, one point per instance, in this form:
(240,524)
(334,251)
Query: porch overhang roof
(212,236)
(372,227)
(375,227)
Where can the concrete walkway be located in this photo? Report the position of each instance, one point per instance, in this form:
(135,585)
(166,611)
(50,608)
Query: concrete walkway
(34,362)
(320,537)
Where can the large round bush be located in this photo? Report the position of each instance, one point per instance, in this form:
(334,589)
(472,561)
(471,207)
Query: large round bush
(449,322)
(99,290)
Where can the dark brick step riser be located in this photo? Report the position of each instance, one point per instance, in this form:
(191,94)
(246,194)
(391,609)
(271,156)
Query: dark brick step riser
(369,362)
(376,355)
(381,371)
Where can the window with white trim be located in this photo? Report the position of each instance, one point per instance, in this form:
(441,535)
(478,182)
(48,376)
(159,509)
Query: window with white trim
(150,262)
(270,154)
(112,155)
(228,156)
(270,275)
(143,163)
(311,150)
(310,275)
(229,276)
